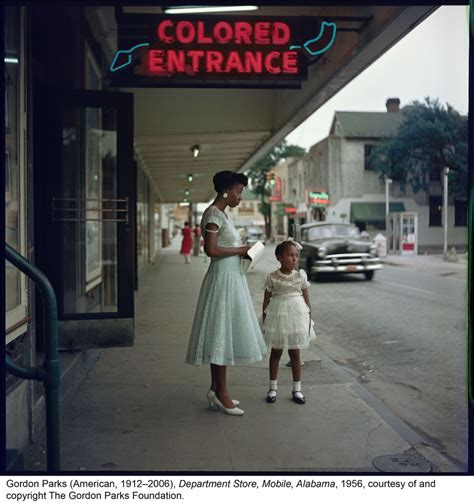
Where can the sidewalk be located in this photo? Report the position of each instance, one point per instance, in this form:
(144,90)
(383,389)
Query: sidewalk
(430,263)
(143,409)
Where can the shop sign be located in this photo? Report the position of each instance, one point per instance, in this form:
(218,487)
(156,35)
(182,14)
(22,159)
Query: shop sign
(286,209)
(318,198)
(277,196)
(186,51)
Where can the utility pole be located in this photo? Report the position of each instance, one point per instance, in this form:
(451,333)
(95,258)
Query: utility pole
(388,181)
(445,212)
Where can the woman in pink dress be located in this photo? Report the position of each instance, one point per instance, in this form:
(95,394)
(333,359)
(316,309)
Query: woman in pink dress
(187,243)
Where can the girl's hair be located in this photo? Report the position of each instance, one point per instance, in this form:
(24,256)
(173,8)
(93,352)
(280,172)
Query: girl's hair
(280,249)
(225,180)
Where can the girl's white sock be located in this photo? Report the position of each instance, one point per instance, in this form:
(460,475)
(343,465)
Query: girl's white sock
(297,389)
(273,388)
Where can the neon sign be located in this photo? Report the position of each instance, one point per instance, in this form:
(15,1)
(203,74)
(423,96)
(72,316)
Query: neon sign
(318,198)
(158,50)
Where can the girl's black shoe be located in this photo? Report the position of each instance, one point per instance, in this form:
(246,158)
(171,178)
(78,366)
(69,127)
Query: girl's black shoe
(298,397)
(271,398)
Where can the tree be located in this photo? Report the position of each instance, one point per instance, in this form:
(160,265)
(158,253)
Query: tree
(258,176)
(429,138)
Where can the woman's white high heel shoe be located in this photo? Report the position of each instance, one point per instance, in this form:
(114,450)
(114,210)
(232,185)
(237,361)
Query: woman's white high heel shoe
(211,394)
(232,412)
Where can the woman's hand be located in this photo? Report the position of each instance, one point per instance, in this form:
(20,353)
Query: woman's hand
(243,250)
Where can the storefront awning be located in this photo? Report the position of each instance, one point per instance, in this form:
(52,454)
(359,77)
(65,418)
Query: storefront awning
(372,212)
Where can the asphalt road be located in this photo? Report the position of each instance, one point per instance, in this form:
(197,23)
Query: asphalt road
(403,336)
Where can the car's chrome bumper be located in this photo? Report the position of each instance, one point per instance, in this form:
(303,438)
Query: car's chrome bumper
(346,266)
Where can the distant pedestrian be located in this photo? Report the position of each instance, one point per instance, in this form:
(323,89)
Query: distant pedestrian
(197,240)
(225,328)
(186,243)
(286,315)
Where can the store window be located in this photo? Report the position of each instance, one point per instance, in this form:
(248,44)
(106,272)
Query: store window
(460,212)
(142,217)
(435,211)
(15,283)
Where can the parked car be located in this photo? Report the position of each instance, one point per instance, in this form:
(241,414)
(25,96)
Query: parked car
(254,234)
(336,248)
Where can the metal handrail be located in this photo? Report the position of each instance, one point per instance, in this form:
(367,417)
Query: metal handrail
(49,371)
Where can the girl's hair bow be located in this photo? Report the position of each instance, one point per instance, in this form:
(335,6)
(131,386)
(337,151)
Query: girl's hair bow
(295,243)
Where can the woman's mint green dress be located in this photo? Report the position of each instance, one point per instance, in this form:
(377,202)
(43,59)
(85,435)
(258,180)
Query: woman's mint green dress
(225,328)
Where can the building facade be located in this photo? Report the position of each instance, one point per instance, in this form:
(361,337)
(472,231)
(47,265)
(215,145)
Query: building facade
(339,167)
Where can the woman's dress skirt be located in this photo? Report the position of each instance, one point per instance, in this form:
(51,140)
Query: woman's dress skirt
(225,330)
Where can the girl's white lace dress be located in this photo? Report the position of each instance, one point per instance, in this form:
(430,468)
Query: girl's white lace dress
(287,322)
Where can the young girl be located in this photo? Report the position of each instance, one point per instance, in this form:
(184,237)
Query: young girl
(287,316)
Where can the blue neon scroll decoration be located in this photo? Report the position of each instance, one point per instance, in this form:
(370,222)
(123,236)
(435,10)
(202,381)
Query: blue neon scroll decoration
(325,25)
(128,52)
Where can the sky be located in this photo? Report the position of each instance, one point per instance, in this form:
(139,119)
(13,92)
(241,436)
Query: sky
(432,60)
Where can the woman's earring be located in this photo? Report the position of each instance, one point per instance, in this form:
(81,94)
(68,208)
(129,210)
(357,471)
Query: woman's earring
(225,195)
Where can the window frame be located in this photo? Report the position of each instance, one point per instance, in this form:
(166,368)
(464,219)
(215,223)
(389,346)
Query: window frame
(16,319)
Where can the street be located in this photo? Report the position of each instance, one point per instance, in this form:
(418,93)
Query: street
(403,337)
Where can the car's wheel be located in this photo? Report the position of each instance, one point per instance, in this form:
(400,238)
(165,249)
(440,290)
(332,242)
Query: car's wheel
(369,275)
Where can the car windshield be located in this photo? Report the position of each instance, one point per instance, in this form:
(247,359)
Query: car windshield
(332,231)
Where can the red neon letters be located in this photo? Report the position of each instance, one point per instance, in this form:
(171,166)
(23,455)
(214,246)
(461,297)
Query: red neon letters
(224,32)
(180,61)
(237,47)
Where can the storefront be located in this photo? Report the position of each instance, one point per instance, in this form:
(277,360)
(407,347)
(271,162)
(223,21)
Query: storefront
(99,148)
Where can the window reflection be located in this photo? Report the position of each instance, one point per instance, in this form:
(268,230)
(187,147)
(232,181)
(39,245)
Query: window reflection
(12,152)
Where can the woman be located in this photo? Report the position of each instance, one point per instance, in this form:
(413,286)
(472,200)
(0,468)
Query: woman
(187,243)
(225,329)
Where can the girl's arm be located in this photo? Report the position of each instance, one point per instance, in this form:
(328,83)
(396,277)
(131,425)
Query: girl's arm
(266,300)
(212,250)
(306,298)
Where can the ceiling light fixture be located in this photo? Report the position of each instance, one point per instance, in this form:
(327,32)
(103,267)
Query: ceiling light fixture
(186,192)
(190,177)
(11,60)
(185,9)
(195,150)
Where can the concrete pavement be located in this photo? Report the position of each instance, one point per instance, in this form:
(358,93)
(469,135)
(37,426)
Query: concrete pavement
(431,263)
(143,409)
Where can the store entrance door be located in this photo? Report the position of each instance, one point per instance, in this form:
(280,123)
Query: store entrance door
(84,214)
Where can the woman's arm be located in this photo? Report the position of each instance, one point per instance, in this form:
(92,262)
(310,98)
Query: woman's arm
(266,299)
(212,250)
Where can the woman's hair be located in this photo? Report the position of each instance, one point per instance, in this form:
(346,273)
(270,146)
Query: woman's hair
(186,223)
(225,180)
(279,250)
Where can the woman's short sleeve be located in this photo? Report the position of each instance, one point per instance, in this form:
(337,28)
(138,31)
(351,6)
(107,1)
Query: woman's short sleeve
(213,217)
(304,279)
(269,284)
